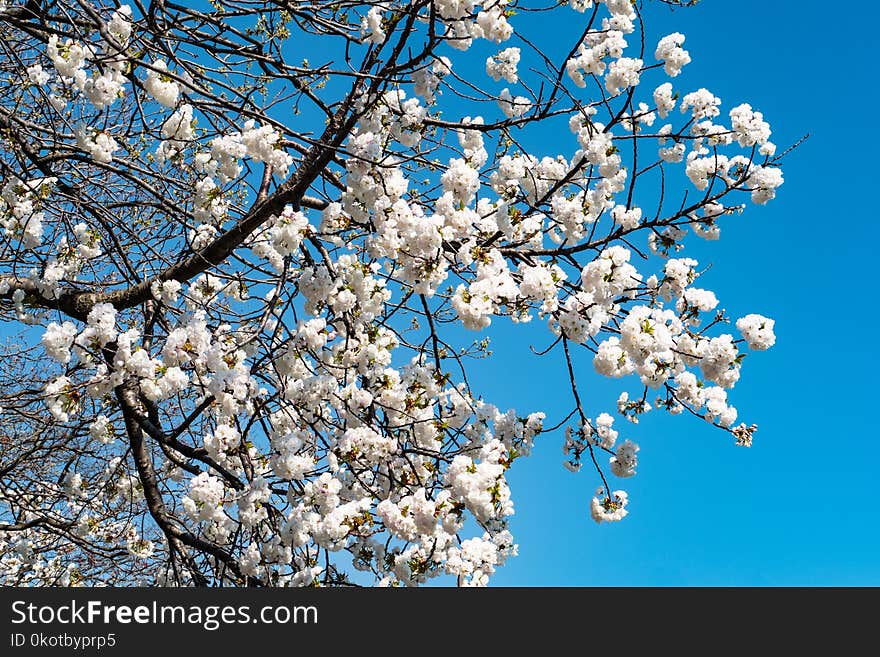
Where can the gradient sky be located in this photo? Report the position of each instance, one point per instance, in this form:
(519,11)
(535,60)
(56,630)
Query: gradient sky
(799,507)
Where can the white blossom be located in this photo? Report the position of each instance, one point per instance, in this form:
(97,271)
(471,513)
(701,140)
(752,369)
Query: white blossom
(670,52)
(757,331)
(160,85)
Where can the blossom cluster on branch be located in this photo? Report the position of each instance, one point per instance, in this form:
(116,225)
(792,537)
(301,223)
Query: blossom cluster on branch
(250,241)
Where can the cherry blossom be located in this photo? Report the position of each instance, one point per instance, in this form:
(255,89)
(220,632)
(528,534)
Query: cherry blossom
(254,285)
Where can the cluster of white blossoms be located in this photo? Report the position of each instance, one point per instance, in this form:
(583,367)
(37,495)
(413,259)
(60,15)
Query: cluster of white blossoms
(464,24)
(283,237)
(205,499)
(660,344)
(105,83)
(166,291)
(58,339)
(97,143)
(503,65)
(670,52)
(427,79)
(68,57)
(95,70)
(20,213)
(592,54)
(622,74)
(750,128)
(513,107)
(609,508)
(757,331)
(223,163)
(371,25)
(160,85)
(36,74)
(261,144)
(102,430)
(178,130)
(301,398)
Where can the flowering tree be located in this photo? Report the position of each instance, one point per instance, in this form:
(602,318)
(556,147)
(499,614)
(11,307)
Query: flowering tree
(246,280)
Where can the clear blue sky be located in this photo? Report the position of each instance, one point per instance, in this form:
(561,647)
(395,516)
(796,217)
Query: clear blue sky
(801,506)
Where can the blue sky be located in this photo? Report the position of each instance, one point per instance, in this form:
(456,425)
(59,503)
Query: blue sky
(799,507)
